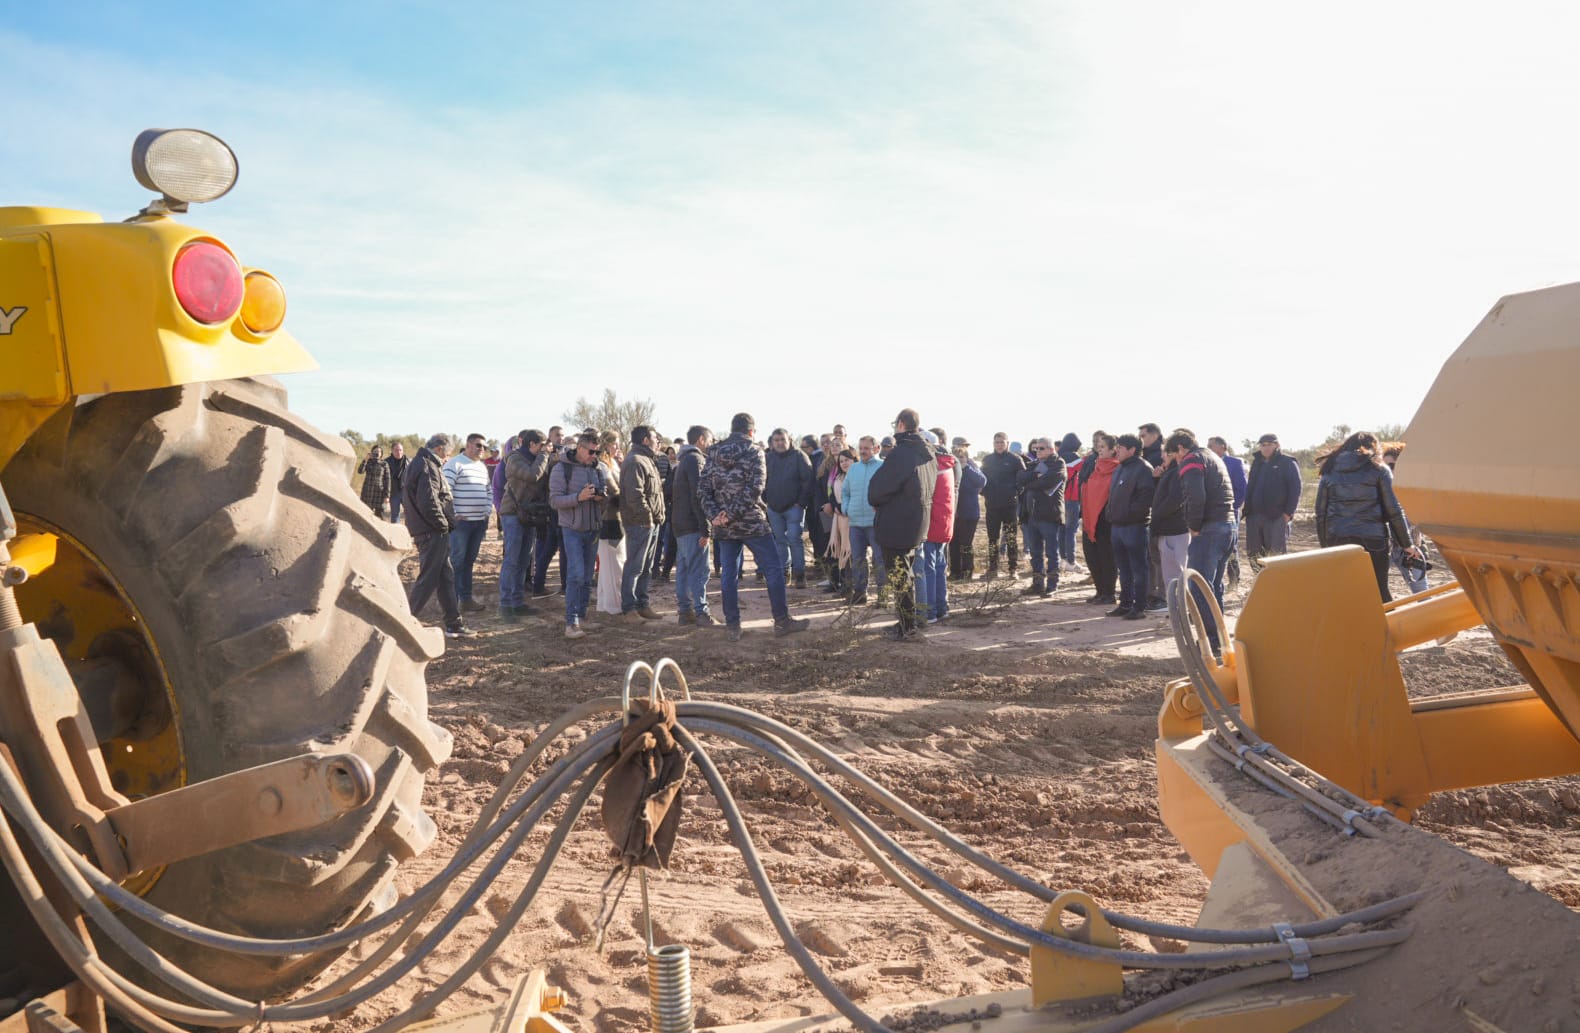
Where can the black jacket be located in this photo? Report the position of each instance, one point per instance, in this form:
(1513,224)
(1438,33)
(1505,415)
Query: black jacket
(1130,495)
(1153,454)
(902,493)
(428,507)
(1209,498)
(397,471)
(1273,487)
(789,480)
(1044,486)
(1356,500)
(1002,470)
(687,517)
(1168,503)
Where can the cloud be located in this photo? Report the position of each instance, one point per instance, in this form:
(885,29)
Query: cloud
(1001,214)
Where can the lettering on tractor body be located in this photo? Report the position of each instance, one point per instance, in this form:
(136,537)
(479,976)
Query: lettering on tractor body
(9,317)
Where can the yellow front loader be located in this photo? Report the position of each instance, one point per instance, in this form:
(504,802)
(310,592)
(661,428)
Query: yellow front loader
(246,722)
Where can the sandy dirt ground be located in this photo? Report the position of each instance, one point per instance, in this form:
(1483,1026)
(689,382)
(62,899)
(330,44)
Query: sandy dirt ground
(1026,726)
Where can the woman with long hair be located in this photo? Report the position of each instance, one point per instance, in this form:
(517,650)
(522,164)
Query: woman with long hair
(611,559)
(836,465)
(1356,505)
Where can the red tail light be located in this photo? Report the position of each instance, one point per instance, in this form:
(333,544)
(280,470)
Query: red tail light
(208,282)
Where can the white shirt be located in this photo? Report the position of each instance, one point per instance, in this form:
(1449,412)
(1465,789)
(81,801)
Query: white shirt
(468,481)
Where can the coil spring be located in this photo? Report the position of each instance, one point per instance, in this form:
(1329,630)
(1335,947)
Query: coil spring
(669,988)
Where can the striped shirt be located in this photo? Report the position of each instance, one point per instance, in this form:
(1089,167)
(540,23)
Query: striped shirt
(468,481)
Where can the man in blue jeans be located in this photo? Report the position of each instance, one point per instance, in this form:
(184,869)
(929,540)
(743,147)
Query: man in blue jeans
(1129,511)
(1042,493)
(1209,516)
(853,500)
(731,491)
(577,492)
(690,524)
(788,495)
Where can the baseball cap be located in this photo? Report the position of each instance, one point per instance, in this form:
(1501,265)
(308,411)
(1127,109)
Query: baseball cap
(1267,439)
(929,437)
(887,442)
(959,443)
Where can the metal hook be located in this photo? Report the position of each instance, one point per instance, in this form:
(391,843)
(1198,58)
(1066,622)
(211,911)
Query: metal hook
(625,687)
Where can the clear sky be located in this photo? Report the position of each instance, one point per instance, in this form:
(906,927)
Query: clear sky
(1031,216)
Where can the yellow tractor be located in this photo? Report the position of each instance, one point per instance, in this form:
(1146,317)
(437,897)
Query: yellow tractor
(223,601)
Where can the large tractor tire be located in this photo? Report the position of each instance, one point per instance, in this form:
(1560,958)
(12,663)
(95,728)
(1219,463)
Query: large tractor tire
(209,544)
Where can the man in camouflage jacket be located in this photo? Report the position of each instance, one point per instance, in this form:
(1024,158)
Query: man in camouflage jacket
(731,490)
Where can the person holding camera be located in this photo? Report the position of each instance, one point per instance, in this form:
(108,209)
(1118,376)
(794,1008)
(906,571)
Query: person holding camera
(1356,505)
(375,481)
(578,490)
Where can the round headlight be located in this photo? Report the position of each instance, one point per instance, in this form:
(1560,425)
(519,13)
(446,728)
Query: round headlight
(186,165)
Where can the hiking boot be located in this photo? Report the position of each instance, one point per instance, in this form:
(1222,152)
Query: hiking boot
(471,606)
(732,632)
(574,631)
(800,580)
(647,613)
(1118,611)
(1036,587)
(632,617)
(704,620)
(790,625)
(683,618)
(458,630)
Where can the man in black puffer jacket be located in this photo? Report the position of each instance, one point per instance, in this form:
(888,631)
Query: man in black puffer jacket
(1000,502)
(1129,510)
(901,492)
(1209,518)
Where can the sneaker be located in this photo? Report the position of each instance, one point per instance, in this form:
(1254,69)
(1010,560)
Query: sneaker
(523,610)
(574,631)
(1118,611)
(632,617)
(1105,600)
(733,632)
(683,618)
(1136,615)
(800,581)
(459,631)
(543,593)
(790,625)
(647,613)
(899,633)
(934,620)
(509,615)
(471,606)
(1156,606)
(1070,566)
(705,620)
(826,584)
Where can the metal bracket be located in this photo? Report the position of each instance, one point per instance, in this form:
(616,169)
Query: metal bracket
(1059,977)
(45,728)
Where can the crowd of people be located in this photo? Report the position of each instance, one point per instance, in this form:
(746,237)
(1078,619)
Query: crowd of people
(891,520)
